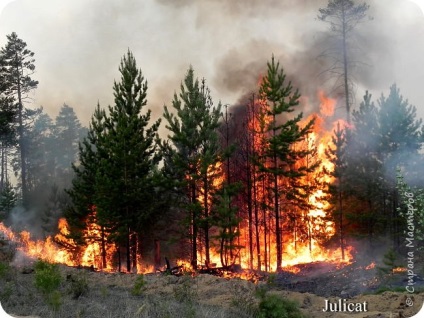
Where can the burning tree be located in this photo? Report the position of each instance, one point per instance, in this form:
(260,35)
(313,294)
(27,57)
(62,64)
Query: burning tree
(118,164)
(280,159)
(336,153)
(343,16)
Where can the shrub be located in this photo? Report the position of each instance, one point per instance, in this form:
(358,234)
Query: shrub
(47,277)
(185,291)
(139,285)
(54,300)
(273,306)
(4,270)
(78,285)
(6,292)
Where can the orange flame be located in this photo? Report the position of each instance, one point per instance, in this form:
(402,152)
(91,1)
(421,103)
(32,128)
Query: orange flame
(327,104)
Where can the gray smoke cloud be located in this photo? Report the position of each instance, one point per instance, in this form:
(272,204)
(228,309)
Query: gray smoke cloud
(78,46)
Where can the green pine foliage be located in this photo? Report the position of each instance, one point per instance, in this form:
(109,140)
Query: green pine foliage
(411,210)
(118,165)
(284,132)
(8,200)
(17,64)
(227,220)
(336,191)
(273,306)
(383,137)
(192,156)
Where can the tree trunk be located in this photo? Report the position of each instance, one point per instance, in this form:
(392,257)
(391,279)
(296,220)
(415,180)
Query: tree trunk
(103,244)
(276,202)
(206,213)
(22,146)
(128,246)
(342,246)
(194,227)
(345,68)
(157,258)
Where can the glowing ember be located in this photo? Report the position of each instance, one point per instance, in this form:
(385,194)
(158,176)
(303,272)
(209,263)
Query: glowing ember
(399,270)
(370,266)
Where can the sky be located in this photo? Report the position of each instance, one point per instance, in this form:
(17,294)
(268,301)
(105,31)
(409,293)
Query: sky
(78,45)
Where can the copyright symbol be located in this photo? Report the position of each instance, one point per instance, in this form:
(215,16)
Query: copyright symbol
(409,302)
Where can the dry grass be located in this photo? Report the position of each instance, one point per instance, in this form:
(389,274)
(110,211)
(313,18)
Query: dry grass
(107,295)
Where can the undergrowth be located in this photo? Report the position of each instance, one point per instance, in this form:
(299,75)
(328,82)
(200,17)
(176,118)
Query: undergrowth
(48,279)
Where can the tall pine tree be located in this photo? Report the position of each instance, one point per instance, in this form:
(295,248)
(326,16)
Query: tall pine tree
(283,134)
(192,156)
(17,63)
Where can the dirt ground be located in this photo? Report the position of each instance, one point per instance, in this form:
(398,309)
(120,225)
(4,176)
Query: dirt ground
(110,295)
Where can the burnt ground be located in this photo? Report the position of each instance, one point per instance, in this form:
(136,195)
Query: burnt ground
(329,279)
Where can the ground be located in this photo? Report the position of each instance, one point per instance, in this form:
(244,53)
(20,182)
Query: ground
(84,293)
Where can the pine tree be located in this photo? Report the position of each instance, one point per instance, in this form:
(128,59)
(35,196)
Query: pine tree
(124,180)
(7,135)
(343,16)
(8,200)
(400,146)
(17,65)
(400,131)
(364,174)
(40,167)
(284,133)
(336,153)
(82,193)
(225,218)
(68,133)
(192,155)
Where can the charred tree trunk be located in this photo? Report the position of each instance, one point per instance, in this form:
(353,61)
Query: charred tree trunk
(103,246)
(119,259)
(194,226)
(256,210)
(206,222)
(340,199)
(276,201)
(157,257)
(134,249)
(266,228)
(128,247)
(345,67)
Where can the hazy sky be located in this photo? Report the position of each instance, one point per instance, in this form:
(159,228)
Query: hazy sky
(78,45)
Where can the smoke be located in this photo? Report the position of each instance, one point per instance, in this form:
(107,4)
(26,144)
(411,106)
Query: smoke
(21,219)
(79,44)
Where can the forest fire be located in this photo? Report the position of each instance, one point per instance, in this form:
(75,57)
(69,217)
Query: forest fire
(302,231)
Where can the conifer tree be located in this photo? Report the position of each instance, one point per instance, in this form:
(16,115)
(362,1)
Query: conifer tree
(8,200)
(192,155)
(337,156)
(82,192)
(364,174)
(400,132)
(67,135)
(125,177)
(400,145)
(17,65)
(7,135)
(284,132)
(343,16)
